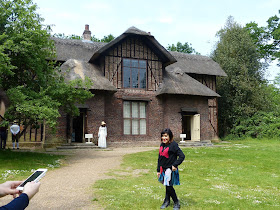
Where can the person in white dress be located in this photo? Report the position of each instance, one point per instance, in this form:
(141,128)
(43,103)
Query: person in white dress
(102,135)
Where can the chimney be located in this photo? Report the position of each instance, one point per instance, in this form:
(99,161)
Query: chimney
(87,33)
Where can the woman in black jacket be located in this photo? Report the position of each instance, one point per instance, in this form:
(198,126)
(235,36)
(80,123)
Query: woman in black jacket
(170,156)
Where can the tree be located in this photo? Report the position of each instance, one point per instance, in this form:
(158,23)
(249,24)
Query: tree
(242,90)
(108,38)
(267,38)
(277,80)
(63,36)
(184,48)
(28,73)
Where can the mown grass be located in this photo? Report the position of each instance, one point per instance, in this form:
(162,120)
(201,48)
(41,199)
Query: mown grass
(19,165)
(239,175)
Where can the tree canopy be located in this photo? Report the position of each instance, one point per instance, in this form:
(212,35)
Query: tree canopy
(242,90)
(184,48)
(28,72)
(108,38)
(267,38)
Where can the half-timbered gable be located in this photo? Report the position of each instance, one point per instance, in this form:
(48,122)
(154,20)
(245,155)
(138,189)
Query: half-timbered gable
(130,54)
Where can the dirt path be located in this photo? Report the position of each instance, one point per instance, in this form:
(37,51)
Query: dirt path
(69,187)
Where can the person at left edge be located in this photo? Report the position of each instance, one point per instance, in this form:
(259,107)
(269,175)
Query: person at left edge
(15,132)
(22,201)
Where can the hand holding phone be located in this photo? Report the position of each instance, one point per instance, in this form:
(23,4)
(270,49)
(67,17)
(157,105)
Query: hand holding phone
(36,176)
(31,188)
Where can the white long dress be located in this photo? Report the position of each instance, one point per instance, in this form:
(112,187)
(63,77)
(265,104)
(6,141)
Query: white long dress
(102,135)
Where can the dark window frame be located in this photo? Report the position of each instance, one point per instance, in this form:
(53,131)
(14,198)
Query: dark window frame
(132,68)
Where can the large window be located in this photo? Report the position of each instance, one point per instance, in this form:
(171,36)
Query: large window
(134,118)
(134,73)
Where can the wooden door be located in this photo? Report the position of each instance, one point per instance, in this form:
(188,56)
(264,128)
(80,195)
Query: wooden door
(195,127)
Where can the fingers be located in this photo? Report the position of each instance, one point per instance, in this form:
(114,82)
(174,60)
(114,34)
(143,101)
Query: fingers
(9,188)
(15,184)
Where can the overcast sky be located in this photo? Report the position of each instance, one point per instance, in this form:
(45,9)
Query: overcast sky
(195,22)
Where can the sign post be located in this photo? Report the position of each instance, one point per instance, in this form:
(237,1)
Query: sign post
(182,136)
(88,136)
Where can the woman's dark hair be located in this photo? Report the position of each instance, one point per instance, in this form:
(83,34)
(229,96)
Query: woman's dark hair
(169,132)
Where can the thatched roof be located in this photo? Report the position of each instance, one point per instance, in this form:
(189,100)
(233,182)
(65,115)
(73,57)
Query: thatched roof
(161,52)
(77,69)
(80,56)
(76,49)
(177,81)
(196,64)
(87,50)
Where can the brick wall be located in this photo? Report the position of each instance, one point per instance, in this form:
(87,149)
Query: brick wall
(172,115)
(162,112)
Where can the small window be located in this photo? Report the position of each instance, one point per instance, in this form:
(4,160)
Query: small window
(134,118)
(134,73)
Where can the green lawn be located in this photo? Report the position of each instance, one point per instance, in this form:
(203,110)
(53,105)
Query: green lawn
(20,165)
(238,175)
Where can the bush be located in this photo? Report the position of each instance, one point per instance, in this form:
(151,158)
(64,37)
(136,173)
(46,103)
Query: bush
(260,125)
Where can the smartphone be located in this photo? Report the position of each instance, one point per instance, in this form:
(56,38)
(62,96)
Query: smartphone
(36,176)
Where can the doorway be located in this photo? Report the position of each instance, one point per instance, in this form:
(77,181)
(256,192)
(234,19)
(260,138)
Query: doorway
(191,126)
(78,128)
(186,126)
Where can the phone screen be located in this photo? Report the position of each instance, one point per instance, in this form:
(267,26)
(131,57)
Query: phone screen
(31,178)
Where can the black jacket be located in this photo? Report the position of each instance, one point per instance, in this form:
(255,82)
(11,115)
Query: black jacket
(169,155)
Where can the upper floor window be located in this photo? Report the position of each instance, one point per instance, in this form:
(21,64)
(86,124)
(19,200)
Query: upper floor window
(134,73)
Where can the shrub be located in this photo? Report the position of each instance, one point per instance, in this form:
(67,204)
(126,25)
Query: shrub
(260,125)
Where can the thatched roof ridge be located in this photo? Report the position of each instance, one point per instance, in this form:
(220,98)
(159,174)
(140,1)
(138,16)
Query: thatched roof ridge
(196,64)
(178,82)
(77,69)
(165,56)
(75,49)
(134,30)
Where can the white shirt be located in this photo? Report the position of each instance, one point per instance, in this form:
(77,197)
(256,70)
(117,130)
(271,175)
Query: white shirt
(15,129)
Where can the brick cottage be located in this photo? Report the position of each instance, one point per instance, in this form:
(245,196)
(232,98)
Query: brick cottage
(139,88)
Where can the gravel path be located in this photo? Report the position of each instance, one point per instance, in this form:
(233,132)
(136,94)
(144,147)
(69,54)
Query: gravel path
(70,187)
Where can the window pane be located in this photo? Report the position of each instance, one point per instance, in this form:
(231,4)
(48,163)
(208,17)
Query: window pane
(142,127)
(135,129)
(126,127)
(134,78)
(134,63)
(126,109)
(135,110)
(142,64)
(126,77)
(134,73)
(142,110)
(126,62)
(142,79)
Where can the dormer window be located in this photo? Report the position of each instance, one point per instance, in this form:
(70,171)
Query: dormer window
(134,73)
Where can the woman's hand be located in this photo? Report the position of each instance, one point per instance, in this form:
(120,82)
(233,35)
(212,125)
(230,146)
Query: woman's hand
(174,168)
(158,174)
(31,188)
(9,188)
